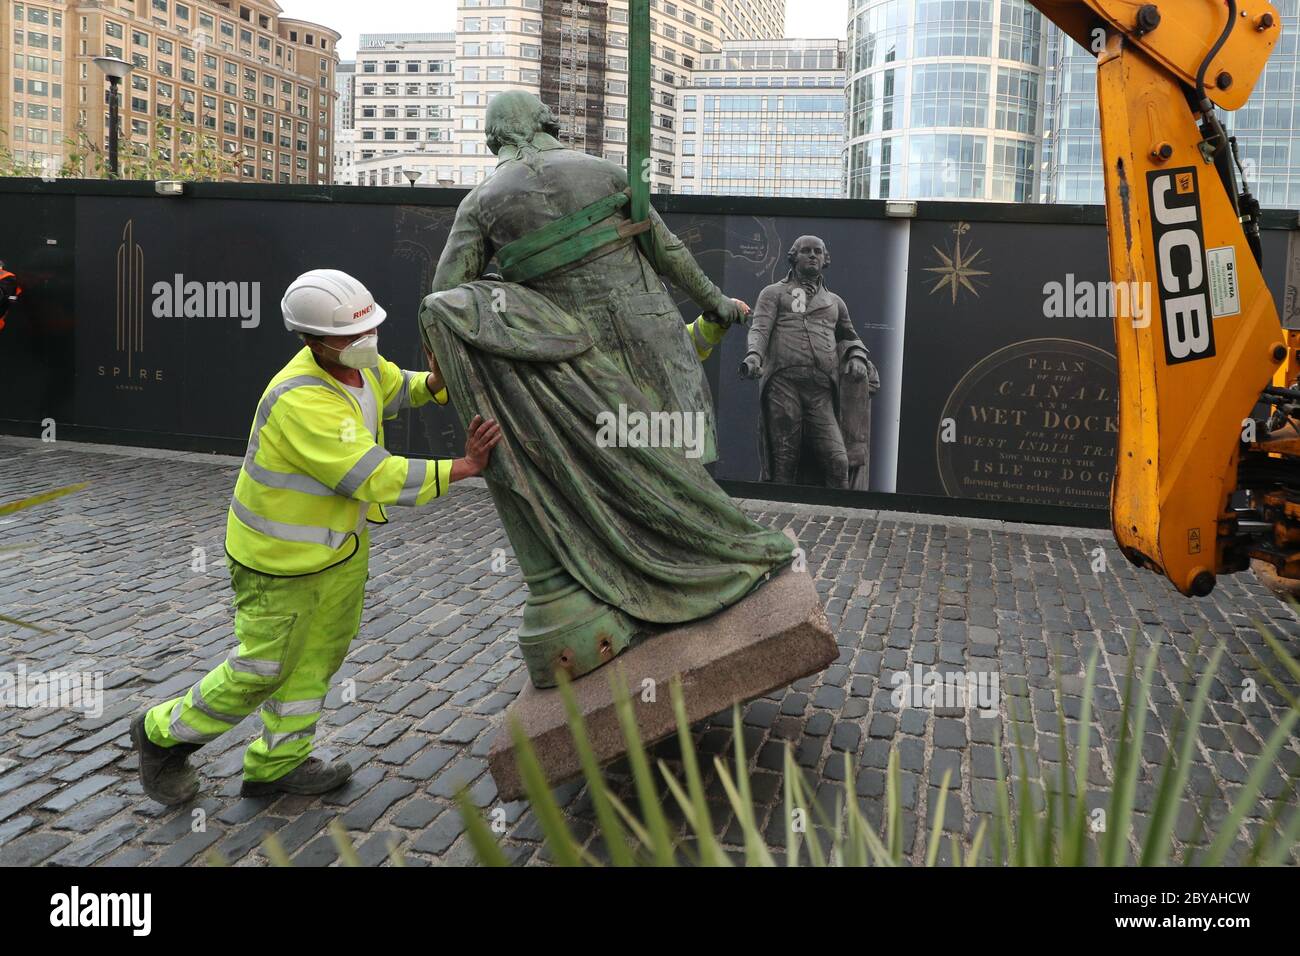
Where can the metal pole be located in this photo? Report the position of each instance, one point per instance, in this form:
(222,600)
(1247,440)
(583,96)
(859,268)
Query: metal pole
(113,122)
(638,122)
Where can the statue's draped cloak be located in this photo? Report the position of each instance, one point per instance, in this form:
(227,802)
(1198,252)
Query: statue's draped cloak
(644,529)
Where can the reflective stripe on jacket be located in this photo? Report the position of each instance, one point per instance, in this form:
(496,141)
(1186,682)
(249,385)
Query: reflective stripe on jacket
(705,334)
(312,464)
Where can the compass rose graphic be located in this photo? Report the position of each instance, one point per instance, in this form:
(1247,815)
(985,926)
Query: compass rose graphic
(958,270)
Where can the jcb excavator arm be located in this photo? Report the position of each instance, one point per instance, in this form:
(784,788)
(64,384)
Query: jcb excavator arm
(1209,350)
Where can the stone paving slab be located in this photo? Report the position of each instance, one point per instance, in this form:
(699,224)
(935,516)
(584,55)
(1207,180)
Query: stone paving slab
(129,579)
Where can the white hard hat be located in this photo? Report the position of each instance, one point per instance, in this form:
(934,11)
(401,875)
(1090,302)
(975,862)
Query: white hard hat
(329,302)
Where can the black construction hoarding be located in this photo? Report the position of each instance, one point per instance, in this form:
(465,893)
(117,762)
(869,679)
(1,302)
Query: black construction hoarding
(156,321)
(1009,376)
(185,328)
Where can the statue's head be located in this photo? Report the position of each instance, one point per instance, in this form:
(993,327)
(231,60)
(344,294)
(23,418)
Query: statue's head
(808,257)
(514,116)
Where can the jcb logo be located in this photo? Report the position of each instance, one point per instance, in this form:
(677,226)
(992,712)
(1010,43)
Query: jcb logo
(1180,264)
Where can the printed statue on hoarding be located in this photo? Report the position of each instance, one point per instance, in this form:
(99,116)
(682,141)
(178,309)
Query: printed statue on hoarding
(817,379)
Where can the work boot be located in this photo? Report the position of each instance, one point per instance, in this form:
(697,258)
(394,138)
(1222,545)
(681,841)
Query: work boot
(311,776)
(165,772)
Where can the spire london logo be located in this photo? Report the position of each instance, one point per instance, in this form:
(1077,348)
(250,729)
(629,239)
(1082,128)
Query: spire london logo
(128,370)
(174,298)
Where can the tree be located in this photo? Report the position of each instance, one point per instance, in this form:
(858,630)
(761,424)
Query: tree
(199,158)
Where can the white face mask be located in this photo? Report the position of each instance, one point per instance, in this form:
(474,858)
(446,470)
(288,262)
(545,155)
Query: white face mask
(362,353)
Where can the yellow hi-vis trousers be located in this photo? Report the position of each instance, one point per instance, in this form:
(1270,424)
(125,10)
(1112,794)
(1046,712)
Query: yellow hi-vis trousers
(293,635)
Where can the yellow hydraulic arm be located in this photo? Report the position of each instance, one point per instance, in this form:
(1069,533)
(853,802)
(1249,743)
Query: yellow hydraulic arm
(1200,486)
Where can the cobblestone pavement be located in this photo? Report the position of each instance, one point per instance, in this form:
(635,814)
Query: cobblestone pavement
(114,572)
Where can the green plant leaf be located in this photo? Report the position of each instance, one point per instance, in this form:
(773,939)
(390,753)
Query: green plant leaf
(756,851)
(10,507)
(932,851)
(347,852)
(274,851)
(893,808)
(1250,790)
(711,853)
(661,846)
(17,622)
(611,831)
(485,845)
(1120,815)
(554,829)
(1173,781)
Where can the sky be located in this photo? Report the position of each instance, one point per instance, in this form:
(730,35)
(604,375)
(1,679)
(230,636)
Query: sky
(804,18)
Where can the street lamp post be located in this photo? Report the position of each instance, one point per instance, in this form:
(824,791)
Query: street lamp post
(412,175)
(116,70)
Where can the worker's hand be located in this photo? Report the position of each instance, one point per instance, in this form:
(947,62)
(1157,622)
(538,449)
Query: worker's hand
(435,381)
(752,367)
(856,369)
(731,311)
(483,437)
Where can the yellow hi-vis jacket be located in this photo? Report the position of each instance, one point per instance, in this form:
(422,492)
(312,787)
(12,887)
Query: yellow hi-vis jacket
(312,464)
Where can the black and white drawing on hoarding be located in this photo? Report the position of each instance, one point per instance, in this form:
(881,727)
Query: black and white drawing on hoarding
(808,394)
(816,378)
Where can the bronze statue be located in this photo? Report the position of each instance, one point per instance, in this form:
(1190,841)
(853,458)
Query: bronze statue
(812,365)
(615,543)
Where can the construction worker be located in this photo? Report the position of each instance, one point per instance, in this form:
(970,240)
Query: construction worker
(10,290)
(297,544)
(708,330)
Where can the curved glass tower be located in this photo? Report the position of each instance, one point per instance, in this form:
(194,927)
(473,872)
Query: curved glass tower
(1268,126)
(944,99)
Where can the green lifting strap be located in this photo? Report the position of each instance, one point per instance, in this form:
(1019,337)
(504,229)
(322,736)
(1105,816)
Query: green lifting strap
(540,240)
(638,123)
(569,250)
